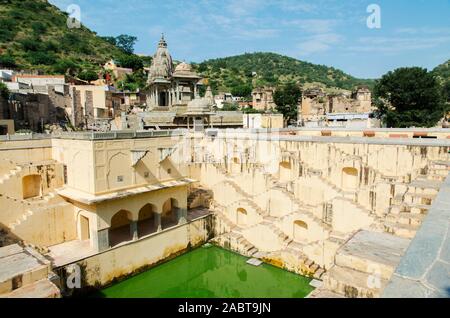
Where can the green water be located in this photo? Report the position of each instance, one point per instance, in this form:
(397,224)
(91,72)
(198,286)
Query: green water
(211,272)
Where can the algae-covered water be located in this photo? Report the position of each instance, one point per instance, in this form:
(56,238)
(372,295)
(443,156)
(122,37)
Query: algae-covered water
(212,272)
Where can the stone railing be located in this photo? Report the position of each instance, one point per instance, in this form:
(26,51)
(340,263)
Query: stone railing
(119,134)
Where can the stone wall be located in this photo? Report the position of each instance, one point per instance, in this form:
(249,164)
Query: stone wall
(120,262)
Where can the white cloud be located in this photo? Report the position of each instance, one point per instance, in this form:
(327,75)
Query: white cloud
(318,43)
(398,44)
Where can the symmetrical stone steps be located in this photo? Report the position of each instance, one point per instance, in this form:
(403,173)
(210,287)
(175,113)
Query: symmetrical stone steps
(29,213)
(10,175)
(400,229)
(352,283)
(364,264)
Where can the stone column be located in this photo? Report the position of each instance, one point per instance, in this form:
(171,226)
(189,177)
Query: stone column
(134,230)
(157,96)
(178,93)
(181,215)
(158,222)
(195,90)
(101,240)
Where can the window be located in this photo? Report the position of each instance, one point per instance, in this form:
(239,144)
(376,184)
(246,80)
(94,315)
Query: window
(119,178)
(146,174)
(169,171)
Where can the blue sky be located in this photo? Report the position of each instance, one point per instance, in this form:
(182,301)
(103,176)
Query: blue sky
(334,33)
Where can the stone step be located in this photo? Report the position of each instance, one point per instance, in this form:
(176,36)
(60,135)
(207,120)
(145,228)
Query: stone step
(352,283)
(39,289)
(401,230)
(319,273)
(406,218)
(419,198)
(372,252)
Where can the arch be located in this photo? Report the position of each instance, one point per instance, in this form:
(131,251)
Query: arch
(241,216)
(120,228)
(349,178)
(169,215)
(285,171)
(146,220)
(118,175)
(31,186)
(84,227)
(300,231)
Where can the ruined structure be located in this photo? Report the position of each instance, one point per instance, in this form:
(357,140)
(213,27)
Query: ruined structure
(263,98)
(336,110)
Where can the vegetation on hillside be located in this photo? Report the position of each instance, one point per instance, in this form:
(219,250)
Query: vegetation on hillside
(34,36)
(442,72)
(239,74)
(410,97)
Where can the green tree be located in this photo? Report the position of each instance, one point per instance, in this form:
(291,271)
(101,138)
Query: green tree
(446,91)
(409,97)
(110,39)
(287,98)
(7,61)
(4,92)
(131,61)
(126,42)
(41,58)
(242,90)
(88,76)
(66,67)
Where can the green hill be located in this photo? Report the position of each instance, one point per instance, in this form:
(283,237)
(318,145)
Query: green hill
(258,69)
(34,36)
(443,71)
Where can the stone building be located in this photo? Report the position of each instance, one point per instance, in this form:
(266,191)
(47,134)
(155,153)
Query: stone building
(31,109)
(320,205)
(170,92)
(169,86)
(263,98)
(320,109)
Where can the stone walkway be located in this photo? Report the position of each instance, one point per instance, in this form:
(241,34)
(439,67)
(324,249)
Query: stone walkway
(424,270)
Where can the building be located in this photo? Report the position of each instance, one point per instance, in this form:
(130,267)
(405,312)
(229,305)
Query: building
(222,98)
(265,121)
(169,86)
(170,92)
(313,202)
(263,98)
(336,110)
(119,73)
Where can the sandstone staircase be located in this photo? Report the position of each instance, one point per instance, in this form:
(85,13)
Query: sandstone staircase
(364,265)
(408,211)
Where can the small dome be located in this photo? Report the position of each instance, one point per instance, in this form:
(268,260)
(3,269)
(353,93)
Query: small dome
(183,67)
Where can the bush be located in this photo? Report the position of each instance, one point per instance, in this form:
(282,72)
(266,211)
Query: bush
(7,61)
(130,61)
(43,58)
(31,44)
(88,76)
(4,92)
(66,66)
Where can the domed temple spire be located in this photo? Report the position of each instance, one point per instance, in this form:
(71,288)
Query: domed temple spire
(162,42)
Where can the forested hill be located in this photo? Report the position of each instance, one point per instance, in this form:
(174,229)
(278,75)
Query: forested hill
(272,69)
(443,71)
(34,36)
